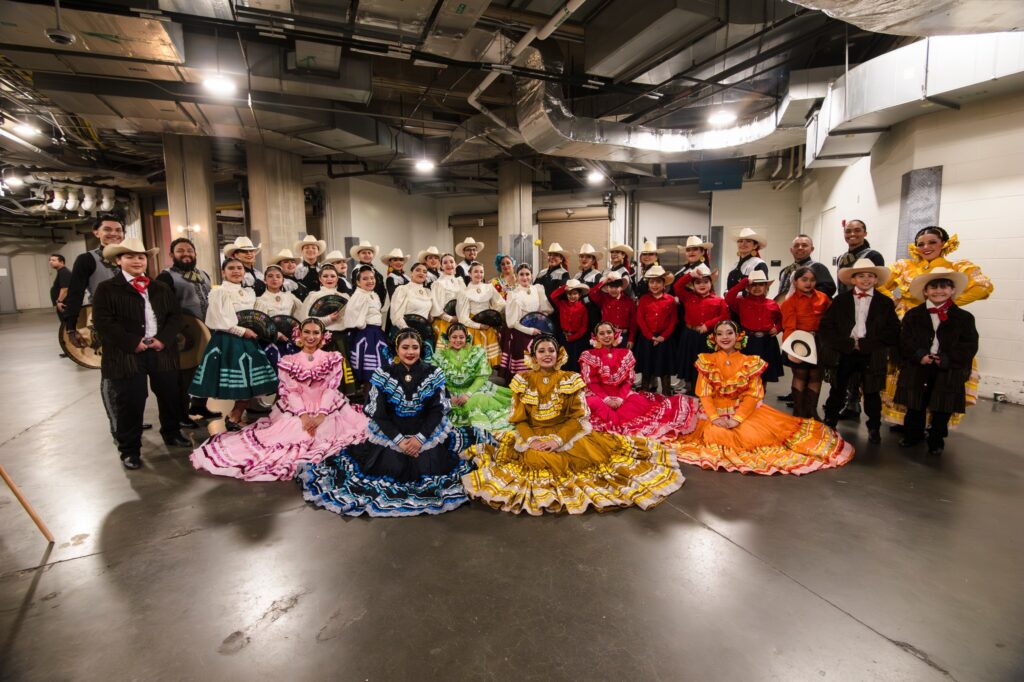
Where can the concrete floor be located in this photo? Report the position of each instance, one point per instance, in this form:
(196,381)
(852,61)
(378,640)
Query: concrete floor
(892,568)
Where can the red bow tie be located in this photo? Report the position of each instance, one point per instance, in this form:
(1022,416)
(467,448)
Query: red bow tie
(140,283)
(861,294)
(941,311)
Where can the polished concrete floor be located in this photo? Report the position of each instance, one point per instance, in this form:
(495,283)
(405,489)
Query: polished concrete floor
(892,568)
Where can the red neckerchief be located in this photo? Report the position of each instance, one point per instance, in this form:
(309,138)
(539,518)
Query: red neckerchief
(140,283)
(941,310)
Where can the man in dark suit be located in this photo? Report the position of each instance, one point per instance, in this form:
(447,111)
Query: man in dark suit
(138,322)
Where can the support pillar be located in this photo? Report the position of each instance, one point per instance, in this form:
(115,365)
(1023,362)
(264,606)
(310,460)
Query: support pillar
(190,202)
(515,211)
(277,211)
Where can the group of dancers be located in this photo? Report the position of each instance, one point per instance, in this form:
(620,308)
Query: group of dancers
(430,386)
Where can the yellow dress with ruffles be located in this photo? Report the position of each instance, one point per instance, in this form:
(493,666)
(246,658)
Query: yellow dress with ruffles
(600,470)
(766,441)
(979,287)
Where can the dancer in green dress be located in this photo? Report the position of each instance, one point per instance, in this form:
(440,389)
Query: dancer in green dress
(475,400)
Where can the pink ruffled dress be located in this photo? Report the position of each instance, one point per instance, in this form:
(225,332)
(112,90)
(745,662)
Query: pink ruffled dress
(272,448)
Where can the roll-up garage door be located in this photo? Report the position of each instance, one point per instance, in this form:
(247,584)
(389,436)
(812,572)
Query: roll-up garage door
(482,227)
(571,227)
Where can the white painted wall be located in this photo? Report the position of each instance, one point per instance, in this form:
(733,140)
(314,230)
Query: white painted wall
(982,200)
(32,274)
(672,212)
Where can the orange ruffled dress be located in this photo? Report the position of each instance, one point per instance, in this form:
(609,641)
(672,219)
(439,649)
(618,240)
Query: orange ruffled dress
(766,441)
(599,470)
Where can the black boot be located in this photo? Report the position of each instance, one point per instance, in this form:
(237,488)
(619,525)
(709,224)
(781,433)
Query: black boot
(198,406)
(811,404)
(797,401)
(666,385)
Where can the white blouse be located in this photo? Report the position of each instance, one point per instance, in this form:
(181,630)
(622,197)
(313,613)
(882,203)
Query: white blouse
(314,296)
(281,303)
(476,298)
(225,302)
(363,309)
(411,299)
(444,289)
(521,301)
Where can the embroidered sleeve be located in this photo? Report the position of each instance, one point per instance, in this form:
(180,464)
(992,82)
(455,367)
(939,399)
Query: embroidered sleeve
(979,287)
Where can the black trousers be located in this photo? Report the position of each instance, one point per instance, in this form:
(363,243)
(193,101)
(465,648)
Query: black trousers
(913,423)
(128,399)
(853,366)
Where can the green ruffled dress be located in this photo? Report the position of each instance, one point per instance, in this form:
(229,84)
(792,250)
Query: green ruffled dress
(467,372)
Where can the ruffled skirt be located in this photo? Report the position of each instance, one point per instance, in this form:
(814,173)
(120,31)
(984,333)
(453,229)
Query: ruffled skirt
(647,415)
(894,413)
(272,448)
(600,470)
(487,409)
(488,339)
(514,346)
(233,368)
(767,442)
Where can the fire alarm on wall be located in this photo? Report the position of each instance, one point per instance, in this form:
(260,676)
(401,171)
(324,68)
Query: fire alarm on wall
(844,222)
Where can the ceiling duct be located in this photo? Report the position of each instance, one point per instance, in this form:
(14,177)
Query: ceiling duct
(932,18)
(917,79)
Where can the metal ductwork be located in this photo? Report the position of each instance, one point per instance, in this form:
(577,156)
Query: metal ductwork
(917,79)
(932,18)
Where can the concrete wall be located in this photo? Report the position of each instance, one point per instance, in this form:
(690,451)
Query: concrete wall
(31,272)
(982,201)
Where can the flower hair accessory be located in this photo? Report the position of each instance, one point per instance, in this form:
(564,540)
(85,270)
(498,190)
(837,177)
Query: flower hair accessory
(741,341)
(594,343)
(500,257)
(297,332)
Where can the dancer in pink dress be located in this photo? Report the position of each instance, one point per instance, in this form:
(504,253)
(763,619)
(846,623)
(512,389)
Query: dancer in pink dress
(615,407)
(310,420)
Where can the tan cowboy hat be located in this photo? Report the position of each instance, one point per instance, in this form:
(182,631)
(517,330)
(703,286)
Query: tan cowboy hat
(556,248)
(468,241)
(128,245)
(864,265)
(614,276)
(363,246)
(753,235)
(801,344)
(393,254)
(283,254)
(695,241)
(649,247)
(616,246)
(658,272)
(334,256)
(576,284)
(240,244)
(429,251)
(758,277)
(310,239)
(589,250)
(917,284)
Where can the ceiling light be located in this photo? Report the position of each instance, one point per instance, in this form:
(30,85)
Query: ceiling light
(219,85)
(88,198)
(424,165)
(72,202)
(57,203)
(107,202)
(722,118)
(26,130)
(595,177)
(13,181)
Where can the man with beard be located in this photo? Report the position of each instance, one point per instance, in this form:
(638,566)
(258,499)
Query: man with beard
(192,288)
(469,249)
(245,251)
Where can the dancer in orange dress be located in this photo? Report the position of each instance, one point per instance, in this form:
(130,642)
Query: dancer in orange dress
(741,433)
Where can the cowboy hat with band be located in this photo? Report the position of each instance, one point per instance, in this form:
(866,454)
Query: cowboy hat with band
(334,256)
(649,247)
(363,246)
(129,245)
(919,283)
(589,250)
(283,254)
(758,277)
(429,251)
(394,254)
(623,248)
(308,240)
(801,345)
(694,241)
(864,265)
(576,285)
(468,241)
(752,235)
(658,272)
(240,244)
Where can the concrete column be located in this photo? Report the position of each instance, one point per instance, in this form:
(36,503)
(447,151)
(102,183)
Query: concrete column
(277,213)
(515,210)
(189,170)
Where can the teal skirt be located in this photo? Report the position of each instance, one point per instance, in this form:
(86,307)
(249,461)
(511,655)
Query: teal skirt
(233,368)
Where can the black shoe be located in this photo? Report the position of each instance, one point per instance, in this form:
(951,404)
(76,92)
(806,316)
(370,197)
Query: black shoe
(849,415)
(935,450)
(62,355)
(204,412)
(131,462)
(147,427)
(189,423)
(231,425)
(896,428)
(874,436)
(177,439)
(909,442)
(788,398)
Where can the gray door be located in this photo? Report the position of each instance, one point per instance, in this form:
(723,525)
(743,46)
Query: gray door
(7,303)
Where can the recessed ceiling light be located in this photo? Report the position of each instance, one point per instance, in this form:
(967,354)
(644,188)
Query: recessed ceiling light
(595,177)
(219,85)
(722,118)
(13,181)
(424,165)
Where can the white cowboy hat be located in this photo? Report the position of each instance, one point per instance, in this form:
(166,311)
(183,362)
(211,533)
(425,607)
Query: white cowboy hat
(614,276)
(310,239)
(429,251)
(701,270)
(695,241)
(758,277)
(556,248)
(864,265)
(394,253)
(363,246)
(240,244)
(801,344)
(576,284)
(616,246)
(128,245)
(283,254)
(468,241)
(656,272)
(747,233)
(589,250)
(917,284)
(334,256)
(649,247)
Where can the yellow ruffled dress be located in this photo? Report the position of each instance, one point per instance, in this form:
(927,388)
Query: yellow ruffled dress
(979,287)
(767,441)
(600,470)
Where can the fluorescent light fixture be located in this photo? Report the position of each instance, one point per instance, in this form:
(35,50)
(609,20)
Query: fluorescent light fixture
(424,165)
(595,177)
(25,130)
(88,198)
(219,85)
(107,202)
(72,202)
(13,181)
(722,118)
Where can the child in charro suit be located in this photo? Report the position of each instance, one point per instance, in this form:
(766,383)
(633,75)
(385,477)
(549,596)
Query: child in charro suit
(856,335)
(937,344)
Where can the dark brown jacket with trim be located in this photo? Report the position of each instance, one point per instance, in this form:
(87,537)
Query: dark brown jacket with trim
(119,314)
(882,338)
(958,344)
